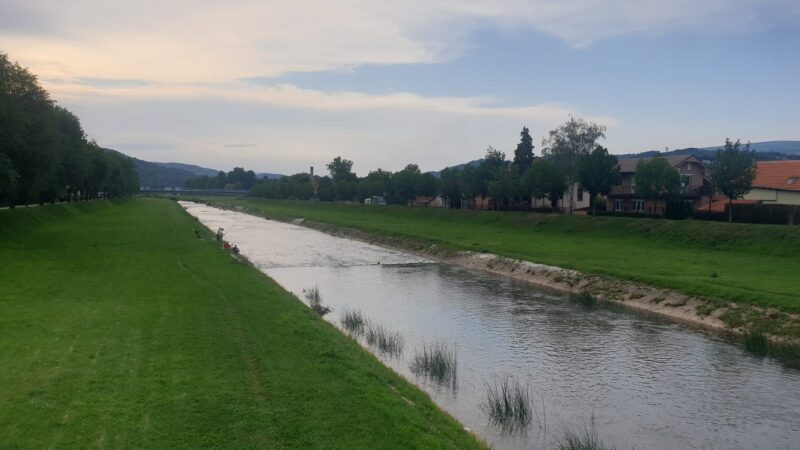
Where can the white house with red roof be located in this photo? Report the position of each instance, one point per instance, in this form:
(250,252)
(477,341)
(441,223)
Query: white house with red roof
(777,183)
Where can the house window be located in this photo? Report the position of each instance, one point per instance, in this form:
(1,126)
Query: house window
(638,206)
(688,167)
(619,181)
(617,205)
(686,180)
(580,195)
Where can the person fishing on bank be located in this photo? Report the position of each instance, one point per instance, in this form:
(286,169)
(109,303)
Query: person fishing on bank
(220,233)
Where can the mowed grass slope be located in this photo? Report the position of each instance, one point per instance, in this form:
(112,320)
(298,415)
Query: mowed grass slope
(119,328)
(755,264)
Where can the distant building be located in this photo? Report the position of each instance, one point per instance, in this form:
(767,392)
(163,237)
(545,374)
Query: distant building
(375,200)
(776,183)
(581,201)
(430,201)
(695,188)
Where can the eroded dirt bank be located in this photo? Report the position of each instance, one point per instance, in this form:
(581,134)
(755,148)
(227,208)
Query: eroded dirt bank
(713,314)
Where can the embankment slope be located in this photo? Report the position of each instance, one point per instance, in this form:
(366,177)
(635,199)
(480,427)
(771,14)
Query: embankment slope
(121,328)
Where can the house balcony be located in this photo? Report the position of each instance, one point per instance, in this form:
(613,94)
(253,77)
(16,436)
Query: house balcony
(686,191)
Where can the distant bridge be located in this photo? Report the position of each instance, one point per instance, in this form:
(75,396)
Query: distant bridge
(186,191)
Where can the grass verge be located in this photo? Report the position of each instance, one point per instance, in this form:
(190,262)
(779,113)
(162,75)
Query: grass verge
(120,328)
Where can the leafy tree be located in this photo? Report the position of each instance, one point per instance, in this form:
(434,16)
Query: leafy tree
(241,178)
(405,184)
(44,154)
(505,187)
(450,187)
(656,179)
(733,172)
(427,185)
(544,179)
(598,172)
(469,183)
(481,176)
(8,180)
(523,155)
(341,170)
(567,143)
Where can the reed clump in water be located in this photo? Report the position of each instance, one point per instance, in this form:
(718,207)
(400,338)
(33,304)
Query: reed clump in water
(315,301)
(581,437)
(353,321)
(508,404)
(756,342)
(384,340)
(583,297)
(437,361)
(787,352)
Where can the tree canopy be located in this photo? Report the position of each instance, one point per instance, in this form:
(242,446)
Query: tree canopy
(733,171)
(598,172)
(44,153)
(567,143)
(523,155)
(656,178)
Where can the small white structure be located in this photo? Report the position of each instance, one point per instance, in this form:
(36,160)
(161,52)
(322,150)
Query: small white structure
(375,200)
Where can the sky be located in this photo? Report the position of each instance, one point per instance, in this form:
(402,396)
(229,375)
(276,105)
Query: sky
(281,85)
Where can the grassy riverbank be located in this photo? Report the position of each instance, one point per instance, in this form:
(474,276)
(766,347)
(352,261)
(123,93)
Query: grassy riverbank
(749,264)
(119,328)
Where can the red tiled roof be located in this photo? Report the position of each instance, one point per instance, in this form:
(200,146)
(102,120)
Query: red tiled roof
(721,202)
(780,175)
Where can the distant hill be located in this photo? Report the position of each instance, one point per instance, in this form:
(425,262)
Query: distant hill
(765,151)
(160,175)
(270,176)
(197,170)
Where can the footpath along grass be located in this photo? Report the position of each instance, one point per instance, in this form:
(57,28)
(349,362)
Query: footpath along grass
(754,264)
(119,328)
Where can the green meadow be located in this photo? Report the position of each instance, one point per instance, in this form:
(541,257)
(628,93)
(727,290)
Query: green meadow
(120,328)
(749,264)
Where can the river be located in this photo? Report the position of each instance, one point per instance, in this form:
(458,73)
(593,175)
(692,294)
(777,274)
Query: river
(644,382)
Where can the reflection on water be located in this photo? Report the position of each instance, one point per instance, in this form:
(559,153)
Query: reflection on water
(647,383)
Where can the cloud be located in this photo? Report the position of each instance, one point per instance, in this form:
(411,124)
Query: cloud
(285,129)
(211,41)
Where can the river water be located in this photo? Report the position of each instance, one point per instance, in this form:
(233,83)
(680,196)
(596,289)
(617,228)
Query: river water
(643,382)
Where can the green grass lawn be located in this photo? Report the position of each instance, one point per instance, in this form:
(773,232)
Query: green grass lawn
(754,264)
(119,328)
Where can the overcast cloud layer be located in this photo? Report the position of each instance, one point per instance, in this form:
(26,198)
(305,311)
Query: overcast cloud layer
(167,81)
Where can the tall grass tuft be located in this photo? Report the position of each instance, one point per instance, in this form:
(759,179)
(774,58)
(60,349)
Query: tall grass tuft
(508,404)
(437,361)
(583,297)
(385,341)
(353,321)
(756,342)
(315,301)
(582,437)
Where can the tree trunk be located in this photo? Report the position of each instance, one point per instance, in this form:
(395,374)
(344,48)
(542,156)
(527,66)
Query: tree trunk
(730,210)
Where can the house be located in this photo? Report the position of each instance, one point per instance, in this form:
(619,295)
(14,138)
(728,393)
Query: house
(430,201)
(776,183)
(695,188)
(581,200)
